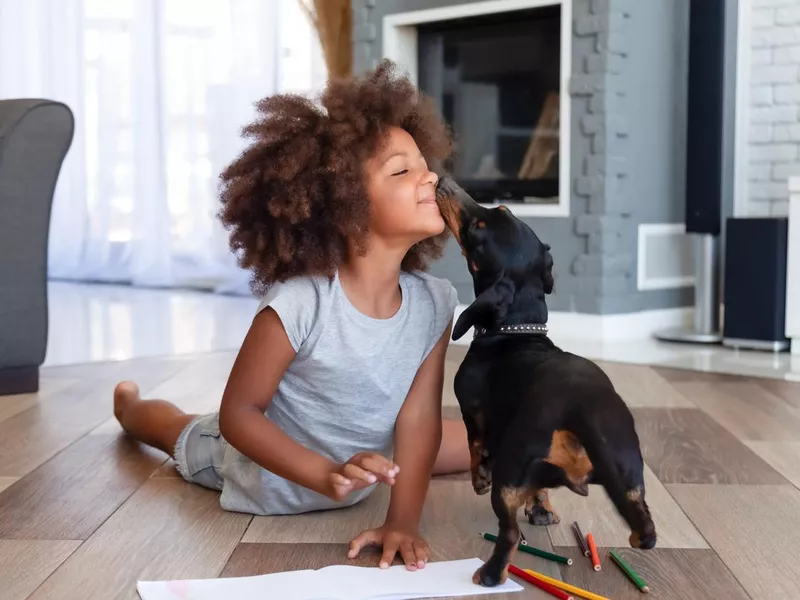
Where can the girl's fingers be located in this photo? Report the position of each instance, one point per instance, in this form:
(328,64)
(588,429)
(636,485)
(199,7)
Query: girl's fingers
(363,539)
(355,472)
(337,479)
(390,548)
(379,465)
(422,552)
(409,556)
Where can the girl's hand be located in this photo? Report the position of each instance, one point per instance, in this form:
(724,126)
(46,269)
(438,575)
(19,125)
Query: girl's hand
(362,470)
(413,549)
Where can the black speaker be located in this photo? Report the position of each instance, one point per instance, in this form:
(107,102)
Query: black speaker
(710,107)
(755,283)
(705,106)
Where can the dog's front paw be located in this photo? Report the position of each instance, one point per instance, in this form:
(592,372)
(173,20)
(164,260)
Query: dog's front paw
(646,540)
(489,577)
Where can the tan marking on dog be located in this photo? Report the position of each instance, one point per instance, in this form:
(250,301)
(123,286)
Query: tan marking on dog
(451,213)
(475,454)
(502,207)
(634,495)
(481,224)
(568,453)
(515,497)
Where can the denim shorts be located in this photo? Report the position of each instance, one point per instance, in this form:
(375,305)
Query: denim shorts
(199,452)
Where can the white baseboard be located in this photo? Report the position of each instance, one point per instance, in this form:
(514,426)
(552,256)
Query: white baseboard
(606,328)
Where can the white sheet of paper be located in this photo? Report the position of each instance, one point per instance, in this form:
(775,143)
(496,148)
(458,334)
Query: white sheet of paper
(436,580)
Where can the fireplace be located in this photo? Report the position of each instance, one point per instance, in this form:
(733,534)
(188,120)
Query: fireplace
(498,71)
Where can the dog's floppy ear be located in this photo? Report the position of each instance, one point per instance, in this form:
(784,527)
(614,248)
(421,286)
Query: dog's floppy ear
(547,279)
(489,308)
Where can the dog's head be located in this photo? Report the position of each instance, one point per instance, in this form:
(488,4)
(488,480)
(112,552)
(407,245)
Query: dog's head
(511,268)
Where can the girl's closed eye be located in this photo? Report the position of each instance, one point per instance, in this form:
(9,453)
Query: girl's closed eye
(401,172)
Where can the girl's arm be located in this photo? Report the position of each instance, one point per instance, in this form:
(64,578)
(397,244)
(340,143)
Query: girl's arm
(418,437)
(265,355)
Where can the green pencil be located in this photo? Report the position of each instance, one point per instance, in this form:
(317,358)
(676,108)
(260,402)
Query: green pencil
(531,550)
(632,575)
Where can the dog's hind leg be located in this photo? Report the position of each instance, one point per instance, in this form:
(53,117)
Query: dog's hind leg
(506,502)
(634,480)
(539,510)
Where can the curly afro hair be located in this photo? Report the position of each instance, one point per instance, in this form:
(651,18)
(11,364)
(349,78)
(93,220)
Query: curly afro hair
(296,197)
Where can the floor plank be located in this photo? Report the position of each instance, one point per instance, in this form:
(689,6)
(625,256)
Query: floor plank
(25,564)
(687,446)
(258,559)
(33,436)
(788,391)
(168,470)
(597,514)
(754,529)
(168,529)
(641,386)
(671,574)
(332,527)
(48,385)
(70,496)
(6,482)
(677,375)
(784,457)
(746,409)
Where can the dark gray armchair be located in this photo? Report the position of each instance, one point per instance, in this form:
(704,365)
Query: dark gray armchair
(34,138)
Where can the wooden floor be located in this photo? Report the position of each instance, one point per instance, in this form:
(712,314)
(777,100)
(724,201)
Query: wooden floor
(84,512)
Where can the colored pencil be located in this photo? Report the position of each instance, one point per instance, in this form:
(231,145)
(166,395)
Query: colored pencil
(567,587)
(593,550)
(576,529)
(535,551)
(542,585)
(632,575)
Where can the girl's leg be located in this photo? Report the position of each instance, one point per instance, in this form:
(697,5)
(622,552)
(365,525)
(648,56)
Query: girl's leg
(156,423)
(454,451)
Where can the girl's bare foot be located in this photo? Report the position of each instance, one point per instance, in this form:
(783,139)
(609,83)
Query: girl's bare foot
(156,423)
(125,394)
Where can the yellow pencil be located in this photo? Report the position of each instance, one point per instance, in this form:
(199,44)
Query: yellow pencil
(566,587)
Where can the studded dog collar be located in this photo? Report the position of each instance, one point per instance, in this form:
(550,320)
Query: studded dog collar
(528,328)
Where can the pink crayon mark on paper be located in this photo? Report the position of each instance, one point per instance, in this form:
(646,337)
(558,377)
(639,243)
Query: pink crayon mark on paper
(179,588)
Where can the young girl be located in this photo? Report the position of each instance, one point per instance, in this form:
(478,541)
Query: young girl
(337,387)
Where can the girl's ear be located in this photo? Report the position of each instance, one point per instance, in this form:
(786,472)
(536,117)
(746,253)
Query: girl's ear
(489,309)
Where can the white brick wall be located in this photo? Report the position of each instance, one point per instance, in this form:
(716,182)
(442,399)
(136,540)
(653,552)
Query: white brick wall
(774,130)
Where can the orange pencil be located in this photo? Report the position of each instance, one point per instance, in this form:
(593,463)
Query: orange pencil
(593,551)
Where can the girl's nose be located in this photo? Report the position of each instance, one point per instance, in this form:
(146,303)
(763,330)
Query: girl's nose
(431,178)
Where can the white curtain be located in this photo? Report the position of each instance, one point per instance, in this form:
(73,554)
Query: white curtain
(160,90)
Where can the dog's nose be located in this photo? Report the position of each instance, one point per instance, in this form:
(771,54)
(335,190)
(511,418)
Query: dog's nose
(447,186)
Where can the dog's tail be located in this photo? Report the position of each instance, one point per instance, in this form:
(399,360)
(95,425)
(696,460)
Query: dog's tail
(607,473)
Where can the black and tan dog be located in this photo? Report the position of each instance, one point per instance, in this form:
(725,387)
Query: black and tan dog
(537,417)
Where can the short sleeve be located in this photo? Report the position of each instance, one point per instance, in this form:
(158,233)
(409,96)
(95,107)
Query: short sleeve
(445,301)
(296,302)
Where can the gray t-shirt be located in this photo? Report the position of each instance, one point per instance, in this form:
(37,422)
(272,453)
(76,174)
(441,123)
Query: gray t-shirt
(342,392)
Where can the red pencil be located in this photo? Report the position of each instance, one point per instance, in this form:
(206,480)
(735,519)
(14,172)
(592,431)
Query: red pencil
(593,551)
(553,591)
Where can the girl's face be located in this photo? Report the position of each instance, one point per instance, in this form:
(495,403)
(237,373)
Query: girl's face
(402,191)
